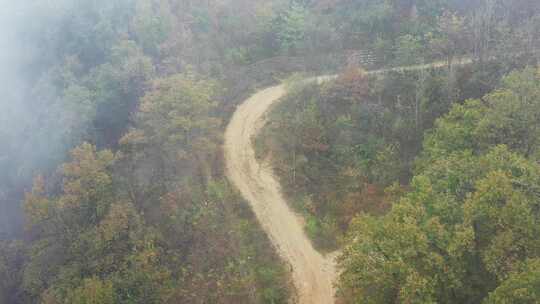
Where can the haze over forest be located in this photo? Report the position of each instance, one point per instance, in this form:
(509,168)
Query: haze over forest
(269,151)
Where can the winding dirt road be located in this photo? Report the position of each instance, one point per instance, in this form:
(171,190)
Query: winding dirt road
(313,273)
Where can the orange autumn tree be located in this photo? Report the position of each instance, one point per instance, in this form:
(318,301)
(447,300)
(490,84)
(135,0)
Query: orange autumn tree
(88,240)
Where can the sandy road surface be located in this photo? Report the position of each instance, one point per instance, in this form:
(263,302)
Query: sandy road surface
(313,274)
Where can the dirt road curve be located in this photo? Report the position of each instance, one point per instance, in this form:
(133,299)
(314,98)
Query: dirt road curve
(313,274)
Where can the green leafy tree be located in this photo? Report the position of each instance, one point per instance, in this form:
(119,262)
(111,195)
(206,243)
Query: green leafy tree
(451,37)
(409,50)
(290,26)
(92,291)
(117,87)
(514,115)
(441,245)
(467,231)
(151,24)
(176,125)
(522,286)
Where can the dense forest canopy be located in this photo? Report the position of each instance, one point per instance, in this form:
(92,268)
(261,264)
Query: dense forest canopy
(466,231)
(112,184)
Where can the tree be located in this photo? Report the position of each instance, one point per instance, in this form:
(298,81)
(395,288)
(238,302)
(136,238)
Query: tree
(88,231)
(290,27)
(92,291)
(117,87)
(451,37)
(514,115)
(506,116)
(522,286)
(447,241)
(151,25)
(59,223)
(177,125)
(483,29)
(12,259)
(453,132)
(468,230)
(409,50)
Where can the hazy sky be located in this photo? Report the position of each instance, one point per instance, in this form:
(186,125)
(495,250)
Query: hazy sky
(13,115)
(11,52)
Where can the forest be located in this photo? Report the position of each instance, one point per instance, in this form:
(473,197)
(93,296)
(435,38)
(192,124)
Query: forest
(416,163)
